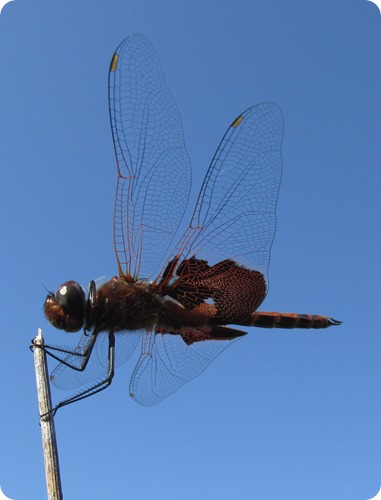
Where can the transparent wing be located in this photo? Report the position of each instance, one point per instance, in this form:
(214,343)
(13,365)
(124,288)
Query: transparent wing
(154,173)
(233,224)
(65,377)
(235,215)
(167,362)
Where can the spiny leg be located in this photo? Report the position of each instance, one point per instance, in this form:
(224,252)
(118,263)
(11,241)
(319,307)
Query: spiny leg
(99,386)
(85,354)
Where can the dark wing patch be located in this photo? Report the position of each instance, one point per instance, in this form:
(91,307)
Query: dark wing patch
(235,290)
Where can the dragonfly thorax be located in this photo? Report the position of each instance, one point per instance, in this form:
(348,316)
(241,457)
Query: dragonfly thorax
(120,305)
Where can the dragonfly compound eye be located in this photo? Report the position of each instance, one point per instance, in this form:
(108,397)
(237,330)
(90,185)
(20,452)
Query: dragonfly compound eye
(65,309)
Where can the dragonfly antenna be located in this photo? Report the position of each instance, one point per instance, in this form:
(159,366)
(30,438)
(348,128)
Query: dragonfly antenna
(49,443)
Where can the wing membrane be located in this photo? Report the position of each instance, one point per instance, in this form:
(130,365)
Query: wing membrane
(235,213)
(167,363)
(153,165)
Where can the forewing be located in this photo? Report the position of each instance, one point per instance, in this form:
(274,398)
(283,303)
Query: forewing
(235,215)
(65,377)
(167,363)
(154,173)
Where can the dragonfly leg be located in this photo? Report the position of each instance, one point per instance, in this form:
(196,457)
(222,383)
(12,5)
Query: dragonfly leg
(99,386)
(84,353)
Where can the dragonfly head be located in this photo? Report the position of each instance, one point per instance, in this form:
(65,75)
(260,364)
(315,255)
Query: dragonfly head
(65,308)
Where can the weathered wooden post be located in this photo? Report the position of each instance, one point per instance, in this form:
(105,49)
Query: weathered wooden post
(49,444)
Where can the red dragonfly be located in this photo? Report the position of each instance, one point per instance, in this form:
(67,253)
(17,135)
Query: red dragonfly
(177,302)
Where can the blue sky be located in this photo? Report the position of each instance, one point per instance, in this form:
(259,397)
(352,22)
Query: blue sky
(279,414)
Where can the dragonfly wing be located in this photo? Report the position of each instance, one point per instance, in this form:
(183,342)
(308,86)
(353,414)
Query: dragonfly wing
(235,213)
(154,174)
(65,377)
(169,360)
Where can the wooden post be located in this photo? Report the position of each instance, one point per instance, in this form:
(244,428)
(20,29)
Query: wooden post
(49,444)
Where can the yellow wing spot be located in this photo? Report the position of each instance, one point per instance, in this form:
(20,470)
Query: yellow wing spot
(132,395)
(51,378)
(237,121)
(114,62)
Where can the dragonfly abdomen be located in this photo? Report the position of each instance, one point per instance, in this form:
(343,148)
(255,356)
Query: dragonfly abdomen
(291,320)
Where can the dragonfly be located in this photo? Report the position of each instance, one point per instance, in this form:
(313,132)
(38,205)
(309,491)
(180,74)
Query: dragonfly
(180,301)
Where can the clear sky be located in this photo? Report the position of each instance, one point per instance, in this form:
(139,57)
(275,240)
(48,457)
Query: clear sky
(280,414)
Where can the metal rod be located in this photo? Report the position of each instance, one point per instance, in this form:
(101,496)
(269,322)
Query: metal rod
(49,444)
